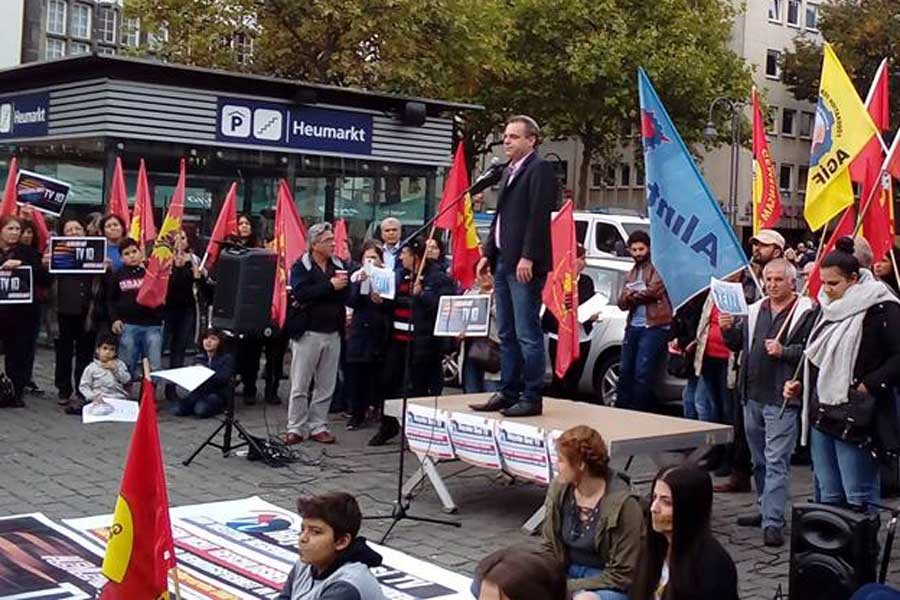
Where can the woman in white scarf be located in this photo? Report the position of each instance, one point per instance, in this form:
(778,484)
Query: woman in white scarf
(853,353)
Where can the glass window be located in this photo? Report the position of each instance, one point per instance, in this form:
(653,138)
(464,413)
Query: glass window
(106,25)
(639,176)
(775,10)
(812,16)
(773,68)
(793,12)
(802,175)
(56,17)
(155,40)
(105,50)
(86,182)
(81,21)
(596,177)
(607,282)
(807,120)
(243,48)
(607,237)
(131,32)
(77,48)
(580,230)
(609,178)
(772,120)
(55,48)
(625,175)
(785,177)
(788,121)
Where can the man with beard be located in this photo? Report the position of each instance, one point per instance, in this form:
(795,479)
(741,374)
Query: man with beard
(647,332)
(765,246)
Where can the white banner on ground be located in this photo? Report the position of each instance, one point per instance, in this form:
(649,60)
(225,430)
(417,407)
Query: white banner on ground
(474,440)
(244,549)
(427,431)
(524,451)
(113,410)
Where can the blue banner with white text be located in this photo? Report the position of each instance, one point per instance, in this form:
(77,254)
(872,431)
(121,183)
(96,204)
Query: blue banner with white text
(691,240)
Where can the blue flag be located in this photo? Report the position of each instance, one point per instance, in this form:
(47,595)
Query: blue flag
(691,239)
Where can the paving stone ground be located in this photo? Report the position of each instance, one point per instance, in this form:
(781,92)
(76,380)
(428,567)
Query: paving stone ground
(51,463)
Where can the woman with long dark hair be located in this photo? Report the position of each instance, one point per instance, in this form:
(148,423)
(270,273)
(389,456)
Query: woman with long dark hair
(181,305)
(681,560)
(851,367)
(31,238)
(249,348)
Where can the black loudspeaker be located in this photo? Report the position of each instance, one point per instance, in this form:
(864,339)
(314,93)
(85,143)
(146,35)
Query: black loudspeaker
(834,551)
(414,113)
(243,299)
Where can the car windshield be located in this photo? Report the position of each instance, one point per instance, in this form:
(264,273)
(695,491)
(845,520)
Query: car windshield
(632,227)
(606,282)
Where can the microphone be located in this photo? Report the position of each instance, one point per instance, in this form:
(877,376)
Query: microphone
(490,176)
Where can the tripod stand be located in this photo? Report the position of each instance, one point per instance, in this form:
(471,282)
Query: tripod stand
(400,511)
(229,422)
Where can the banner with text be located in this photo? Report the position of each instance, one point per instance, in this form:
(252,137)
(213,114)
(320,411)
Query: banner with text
(16,286)
(43,193)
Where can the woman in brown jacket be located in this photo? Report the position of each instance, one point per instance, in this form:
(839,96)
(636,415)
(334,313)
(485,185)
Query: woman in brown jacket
(594,523)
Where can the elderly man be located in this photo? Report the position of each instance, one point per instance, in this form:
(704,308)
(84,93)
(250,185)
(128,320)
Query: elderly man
(319,290)
(390,237)
(772,351)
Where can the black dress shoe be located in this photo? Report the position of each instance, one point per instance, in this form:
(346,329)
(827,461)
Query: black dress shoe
(530,408)
(749,520)
(496,402)
(773,537)
(390,427)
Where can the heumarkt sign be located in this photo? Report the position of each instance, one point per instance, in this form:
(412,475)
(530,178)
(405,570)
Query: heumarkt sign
(24,115)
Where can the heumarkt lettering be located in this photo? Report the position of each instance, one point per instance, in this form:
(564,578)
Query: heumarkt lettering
(38,115)
(352,133)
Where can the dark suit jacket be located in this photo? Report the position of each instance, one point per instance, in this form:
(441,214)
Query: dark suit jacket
(524,208)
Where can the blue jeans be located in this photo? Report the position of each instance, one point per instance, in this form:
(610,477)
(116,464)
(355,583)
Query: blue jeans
(876,591)
(579,572)
(771,440)
(642,350)
(711,399)
(473,380)
(688,399)
(204,404)
(844,472)
(140,341)
(522,359)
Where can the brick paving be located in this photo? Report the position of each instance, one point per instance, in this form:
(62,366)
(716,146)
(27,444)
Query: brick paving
(51,463)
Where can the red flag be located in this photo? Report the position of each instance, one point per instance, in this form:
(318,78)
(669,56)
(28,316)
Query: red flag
(561,290)
(878,219)
(766,199)
(289,245)
(845,228)
(226,225)
(341,240)
(456,183)
(140,550)
(159,268)
(9,194)
(460,220)
(893,158)
(117,203)
(143,229)
(41,231)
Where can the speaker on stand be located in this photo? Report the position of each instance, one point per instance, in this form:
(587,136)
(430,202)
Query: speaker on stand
(834,551)
(245,278)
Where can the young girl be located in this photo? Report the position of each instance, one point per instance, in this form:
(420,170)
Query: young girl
(105,377)
(208,399)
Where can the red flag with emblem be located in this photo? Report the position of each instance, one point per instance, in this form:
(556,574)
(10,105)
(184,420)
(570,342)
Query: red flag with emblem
(10,194)
(845,228)
(289,245)
(460,220)
(143,228)
(341,240)
(159,268)
(878,219)
(766,198)
(561,290)
(117,204)
(226,225)
(140,549)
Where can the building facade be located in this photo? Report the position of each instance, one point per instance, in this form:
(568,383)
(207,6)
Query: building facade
(346,153)
(760,34)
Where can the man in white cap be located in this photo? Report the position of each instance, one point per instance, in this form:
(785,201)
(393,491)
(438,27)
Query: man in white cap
(765,246)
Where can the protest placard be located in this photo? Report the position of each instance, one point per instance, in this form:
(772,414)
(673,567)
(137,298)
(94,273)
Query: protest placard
(77,255)
(728,296)
(44,193)
(468,315)
(16,286)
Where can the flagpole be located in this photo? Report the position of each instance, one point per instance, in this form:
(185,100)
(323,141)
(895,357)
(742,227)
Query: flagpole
(176,581)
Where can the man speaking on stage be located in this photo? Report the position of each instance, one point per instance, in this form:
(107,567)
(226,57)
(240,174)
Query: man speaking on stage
(518,253)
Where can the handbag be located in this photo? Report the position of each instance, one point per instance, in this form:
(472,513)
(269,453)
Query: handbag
(680,364)
(485,353)
(852,422)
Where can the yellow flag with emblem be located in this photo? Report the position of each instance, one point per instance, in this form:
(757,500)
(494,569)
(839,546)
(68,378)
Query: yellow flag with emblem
(843,128)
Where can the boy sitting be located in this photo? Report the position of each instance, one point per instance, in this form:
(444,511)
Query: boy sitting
(208,399)
(334,563)
(105,377)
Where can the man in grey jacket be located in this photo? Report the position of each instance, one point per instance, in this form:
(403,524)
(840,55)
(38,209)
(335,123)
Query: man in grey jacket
(772,338)
(334,563)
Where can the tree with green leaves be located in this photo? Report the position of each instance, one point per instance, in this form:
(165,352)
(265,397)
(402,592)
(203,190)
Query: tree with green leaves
(576,68)
(862,33)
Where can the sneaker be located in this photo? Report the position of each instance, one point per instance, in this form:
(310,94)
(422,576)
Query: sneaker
(773,537)
(323,437)
(387,431)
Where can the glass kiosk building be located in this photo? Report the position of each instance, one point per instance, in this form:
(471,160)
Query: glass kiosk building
(348,153)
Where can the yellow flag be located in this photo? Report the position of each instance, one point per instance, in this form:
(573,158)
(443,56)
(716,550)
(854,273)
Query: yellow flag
(843,128)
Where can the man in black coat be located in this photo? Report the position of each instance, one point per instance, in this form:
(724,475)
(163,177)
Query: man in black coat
(518,253)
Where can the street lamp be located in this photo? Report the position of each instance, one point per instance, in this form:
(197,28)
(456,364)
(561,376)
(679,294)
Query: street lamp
(709,132)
